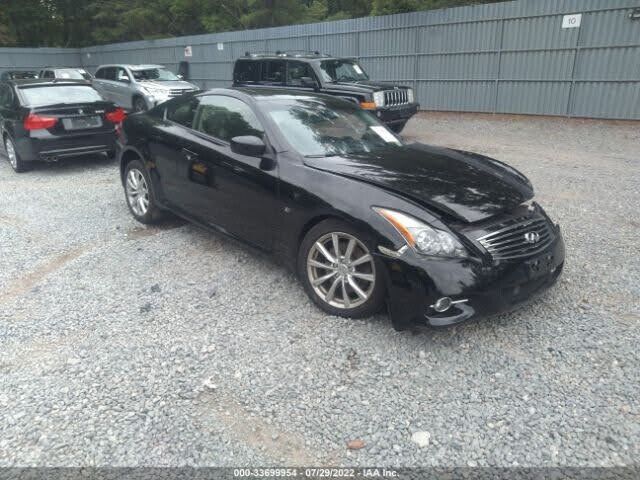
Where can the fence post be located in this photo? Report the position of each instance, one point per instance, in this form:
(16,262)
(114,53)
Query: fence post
(499,71)
(576,52)
(416,59)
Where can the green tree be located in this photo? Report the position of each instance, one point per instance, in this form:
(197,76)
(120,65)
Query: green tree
(273,13)
(317,11)
(225,15)
(6,36)
(77,23)
(31,22)
(389,7)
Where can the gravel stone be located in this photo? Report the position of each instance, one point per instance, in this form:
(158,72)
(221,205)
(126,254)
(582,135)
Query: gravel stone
(98,369)
(421,439)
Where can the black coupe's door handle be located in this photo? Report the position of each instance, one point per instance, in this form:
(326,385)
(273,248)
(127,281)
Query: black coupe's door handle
(189,155)
(234,168)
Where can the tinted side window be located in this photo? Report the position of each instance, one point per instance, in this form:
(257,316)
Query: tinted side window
(107,73)
(122,75)
(226,117)
(247,71)
(297,70)
(273,71)
(48,74)
(6,96)
(183,111)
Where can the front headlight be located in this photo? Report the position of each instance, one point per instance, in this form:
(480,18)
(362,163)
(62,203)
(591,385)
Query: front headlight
(422,237)
(410,97)
(156,92)
(378,99)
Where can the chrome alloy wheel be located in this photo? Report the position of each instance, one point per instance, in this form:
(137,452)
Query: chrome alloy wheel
(137,192)
(341,270)
(11,153)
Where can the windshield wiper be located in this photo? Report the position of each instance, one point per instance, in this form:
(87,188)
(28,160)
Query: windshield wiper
(322,155)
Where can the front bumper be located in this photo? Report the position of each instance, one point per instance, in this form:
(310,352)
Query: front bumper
(415,283)
(397,114)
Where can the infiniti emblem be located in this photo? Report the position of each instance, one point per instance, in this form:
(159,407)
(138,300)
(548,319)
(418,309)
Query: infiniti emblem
(532,237)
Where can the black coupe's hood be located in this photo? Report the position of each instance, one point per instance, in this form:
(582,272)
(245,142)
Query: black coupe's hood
(464,185)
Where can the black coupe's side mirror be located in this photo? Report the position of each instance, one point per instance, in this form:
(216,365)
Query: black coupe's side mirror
(308,82)
(248,145)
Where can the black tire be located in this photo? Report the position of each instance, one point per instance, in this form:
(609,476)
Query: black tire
(153,213)
(17,164)
(139,105)
(397,127)
(376,298)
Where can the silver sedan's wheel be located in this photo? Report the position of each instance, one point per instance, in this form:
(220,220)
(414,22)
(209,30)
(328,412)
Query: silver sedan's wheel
(137,192)
(11,153)
(341,270)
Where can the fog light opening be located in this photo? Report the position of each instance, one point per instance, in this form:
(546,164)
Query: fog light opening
(442,305)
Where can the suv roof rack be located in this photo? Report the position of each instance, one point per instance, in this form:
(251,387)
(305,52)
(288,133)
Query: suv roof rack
(288,54)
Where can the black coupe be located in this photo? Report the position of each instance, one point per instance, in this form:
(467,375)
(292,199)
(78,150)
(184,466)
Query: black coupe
(436,235)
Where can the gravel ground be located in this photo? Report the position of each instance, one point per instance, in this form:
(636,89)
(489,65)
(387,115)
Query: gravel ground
(126,345)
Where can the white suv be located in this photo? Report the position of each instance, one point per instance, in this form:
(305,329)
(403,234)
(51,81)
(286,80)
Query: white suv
(139,87)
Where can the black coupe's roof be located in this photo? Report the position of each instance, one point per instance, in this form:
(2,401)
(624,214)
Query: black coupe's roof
(271,93)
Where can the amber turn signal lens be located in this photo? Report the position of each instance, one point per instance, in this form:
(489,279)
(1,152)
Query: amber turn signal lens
(389,215)
(368,105)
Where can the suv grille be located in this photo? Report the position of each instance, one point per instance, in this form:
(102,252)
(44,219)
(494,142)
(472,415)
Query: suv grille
(179,91)
(395,97)
(517,237)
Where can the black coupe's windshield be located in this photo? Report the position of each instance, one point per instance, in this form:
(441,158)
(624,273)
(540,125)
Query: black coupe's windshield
(316,128)
(342,71)
(161,74)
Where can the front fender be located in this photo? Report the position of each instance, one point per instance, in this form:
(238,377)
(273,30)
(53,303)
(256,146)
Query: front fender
(309,196)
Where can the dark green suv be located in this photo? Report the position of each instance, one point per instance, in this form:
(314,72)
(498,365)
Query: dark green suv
(342,77)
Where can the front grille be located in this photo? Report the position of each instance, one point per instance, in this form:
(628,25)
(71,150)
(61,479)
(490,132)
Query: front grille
(518,237)
(178,92)
(396,97)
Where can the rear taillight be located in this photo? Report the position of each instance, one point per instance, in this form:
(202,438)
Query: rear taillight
(116,116)
(39,122)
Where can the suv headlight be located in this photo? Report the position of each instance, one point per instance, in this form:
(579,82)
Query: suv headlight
(410,97)
(422,237)
(156,92)
(378,99)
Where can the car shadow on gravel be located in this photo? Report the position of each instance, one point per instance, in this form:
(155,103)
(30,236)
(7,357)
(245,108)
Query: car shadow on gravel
(170,223)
